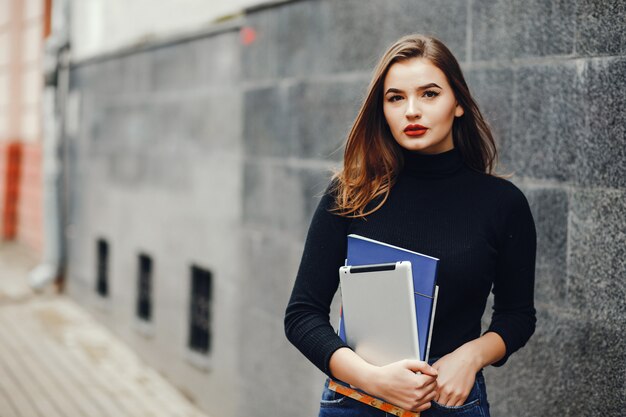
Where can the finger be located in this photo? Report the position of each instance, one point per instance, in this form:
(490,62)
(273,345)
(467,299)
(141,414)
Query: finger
(427,398)
(424,407)
(430,396)
(423,379)
(430,386)
(421,366)
(432,381)
(460,401)
(416,408)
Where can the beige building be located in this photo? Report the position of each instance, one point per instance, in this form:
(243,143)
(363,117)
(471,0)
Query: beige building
(23,26)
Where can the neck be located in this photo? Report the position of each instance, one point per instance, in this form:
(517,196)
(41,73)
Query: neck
(440,165)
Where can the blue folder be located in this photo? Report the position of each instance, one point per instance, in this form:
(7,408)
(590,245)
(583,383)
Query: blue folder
(364,251)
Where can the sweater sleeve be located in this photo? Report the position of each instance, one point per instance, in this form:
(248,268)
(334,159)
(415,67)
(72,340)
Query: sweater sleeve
(307,323)
(513,315)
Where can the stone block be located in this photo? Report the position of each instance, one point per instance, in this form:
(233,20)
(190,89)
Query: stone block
(102,77)
(175,67)
(548,122)
(313,184)
(218,59)
(126,169)
(550,210)
(593,374)
(261,59)
(505,29)
(271,367)
(600,27)
(86,116)
(220,121)
(287,199)
(279,197)
(321,115)
(529,384)
(300,39)
(136,73)
(492,90)
(134,126)
(266,122)
(207,122)
(291,40)
(272,260)
(167,169)
(259,333)
(597,255)
(354,34)
(600,156)
(105,78)
(446,20)
(119,125)
(166,117)
(257,193)
(115,126)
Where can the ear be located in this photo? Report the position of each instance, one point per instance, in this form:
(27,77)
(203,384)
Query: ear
(459,111)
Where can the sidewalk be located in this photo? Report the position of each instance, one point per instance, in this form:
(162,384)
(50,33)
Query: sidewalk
(56,361)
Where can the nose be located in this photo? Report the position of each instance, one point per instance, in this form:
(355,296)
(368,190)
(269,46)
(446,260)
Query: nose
(412,109)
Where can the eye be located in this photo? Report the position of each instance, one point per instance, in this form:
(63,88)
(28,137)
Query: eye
(431,93)
(394,98)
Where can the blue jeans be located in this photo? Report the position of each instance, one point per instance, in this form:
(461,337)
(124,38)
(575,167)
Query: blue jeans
(334,404)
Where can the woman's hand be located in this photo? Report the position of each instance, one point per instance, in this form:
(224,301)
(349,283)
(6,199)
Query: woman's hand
(399,384)
(457,373)
(458,369)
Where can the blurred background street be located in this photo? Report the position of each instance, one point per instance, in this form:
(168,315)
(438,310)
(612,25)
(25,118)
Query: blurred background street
(56,360)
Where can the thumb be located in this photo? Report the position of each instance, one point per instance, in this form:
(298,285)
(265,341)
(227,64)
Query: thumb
(421,366)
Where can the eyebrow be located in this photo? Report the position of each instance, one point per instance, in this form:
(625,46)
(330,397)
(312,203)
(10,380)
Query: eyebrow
(422,87)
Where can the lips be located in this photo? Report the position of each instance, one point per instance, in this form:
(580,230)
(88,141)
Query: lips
(415,130)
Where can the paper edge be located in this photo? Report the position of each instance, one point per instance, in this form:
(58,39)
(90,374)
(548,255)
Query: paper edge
(390,246)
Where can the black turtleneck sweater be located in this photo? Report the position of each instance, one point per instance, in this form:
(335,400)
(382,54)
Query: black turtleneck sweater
(479,226)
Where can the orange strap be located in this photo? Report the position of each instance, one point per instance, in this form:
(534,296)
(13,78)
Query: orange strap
(369,400)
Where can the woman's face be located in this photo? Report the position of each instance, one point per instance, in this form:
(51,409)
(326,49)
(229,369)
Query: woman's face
(420,106)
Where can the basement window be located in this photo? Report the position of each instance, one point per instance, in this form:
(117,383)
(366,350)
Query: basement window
(200,310)
(102,268)
(144,288)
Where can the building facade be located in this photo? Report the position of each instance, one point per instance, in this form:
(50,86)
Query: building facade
(195,159)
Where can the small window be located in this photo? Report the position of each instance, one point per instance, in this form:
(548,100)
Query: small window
(200,310)
(102,268)
(144,289)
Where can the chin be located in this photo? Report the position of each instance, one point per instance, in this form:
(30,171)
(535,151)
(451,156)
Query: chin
(415,146)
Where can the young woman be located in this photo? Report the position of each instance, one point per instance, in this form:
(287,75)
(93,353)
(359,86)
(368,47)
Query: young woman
(418,173)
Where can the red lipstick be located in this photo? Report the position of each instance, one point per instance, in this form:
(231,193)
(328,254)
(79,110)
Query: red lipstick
(415,130)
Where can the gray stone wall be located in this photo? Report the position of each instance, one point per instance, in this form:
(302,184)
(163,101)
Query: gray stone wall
(214,152)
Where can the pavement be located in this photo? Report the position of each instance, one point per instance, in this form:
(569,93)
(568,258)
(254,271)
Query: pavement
(57,361)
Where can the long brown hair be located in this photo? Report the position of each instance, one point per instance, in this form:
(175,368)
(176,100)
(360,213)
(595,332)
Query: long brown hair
(373,159)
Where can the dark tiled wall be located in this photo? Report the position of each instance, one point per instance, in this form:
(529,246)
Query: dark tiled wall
(549,77)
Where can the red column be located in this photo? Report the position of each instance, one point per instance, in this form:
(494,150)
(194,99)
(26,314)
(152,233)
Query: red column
(13,158)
